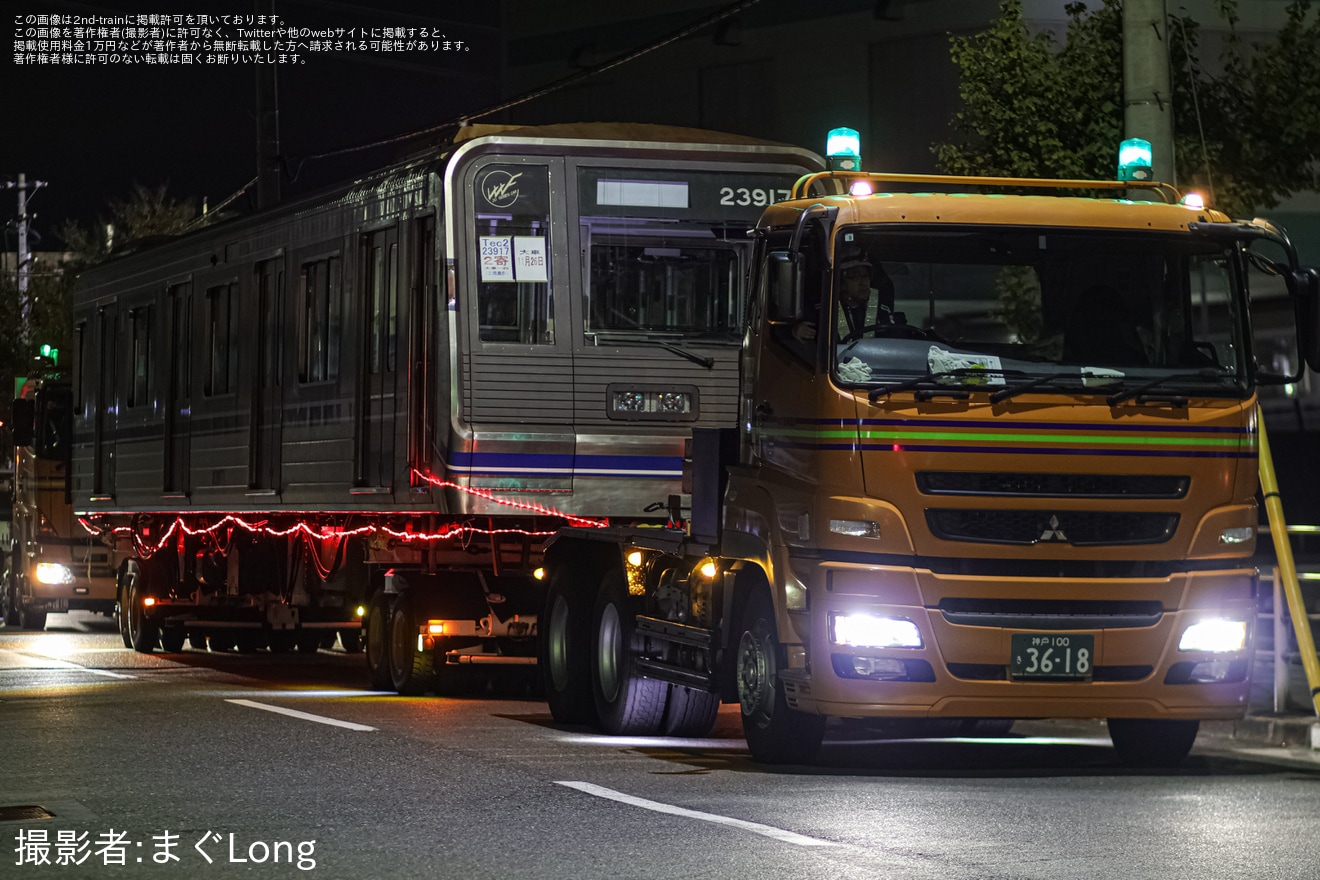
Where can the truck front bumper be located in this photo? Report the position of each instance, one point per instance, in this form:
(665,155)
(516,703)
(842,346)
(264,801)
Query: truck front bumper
(1136,663)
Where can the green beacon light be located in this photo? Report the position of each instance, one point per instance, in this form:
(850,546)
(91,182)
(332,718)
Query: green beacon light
(52,353)
(1134,160)
(843,146)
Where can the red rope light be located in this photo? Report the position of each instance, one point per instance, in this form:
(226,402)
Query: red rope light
(316,535)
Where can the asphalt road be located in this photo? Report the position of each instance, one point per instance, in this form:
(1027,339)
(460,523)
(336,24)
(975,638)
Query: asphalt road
(189,765)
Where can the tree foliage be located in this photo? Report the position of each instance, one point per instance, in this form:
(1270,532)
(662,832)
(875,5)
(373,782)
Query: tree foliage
(148,212)
(1033,108)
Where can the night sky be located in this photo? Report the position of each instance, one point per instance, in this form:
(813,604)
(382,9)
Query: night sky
(91,132)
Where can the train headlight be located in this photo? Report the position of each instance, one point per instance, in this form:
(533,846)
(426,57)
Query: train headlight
(872,631)
(53,573)
(675,403)
(1215,636)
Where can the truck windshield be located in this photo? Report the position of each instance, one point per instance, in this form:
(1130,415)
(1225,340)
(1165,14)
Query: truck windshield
(1058,310)
(678,280)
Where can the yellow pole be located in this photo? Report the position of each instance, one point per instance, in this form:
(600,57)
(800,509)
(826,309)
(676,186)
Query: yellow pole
(1269,487)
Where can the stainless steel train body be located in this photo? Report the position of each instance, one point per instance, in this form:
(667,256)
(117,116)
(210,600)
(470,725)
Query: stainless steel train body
(423,372)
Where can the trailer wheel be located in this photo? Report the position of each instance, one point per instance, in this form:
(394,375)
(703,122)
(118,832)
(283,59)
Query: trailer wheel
(281,641)
(309,640)
(31,618)
(142,632)
(565,649)
(626,703)
(411,670)
(172,639)
(690,712)
(1152,742)
(121,617)
(351,640)
(775,733)
(376,627)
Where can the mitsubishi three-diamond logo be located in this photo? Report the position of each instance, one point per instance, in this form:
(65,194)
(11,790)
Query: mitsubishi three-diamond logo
(1053,532)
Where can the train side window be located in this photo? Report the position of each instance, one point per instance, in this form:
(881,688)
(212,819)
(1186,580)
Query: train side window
(139,391)
(319,321)
(221,339)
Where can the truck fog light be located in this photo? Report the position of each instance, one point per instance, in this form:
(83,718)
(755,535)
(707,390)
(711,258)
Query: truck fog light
(1210,671)
(870,631)
(883,668)
(53,573)
(1215,636)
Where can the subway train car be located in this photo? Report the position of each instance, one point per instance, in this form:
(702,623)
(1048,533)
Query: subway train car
(362,413)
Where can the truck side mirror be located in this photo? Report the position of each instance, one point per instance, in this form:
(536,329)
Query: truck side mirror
(784,286)
(1304,285)
(24,426)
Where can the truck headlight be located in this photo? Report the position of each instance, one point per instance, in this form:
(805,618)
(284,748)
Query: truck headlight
(870,631)
(1216,636)
(53,573)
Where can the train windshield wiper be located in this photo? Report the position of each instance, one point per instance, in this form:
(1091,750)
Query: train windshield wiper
(1177,398)
(700,360)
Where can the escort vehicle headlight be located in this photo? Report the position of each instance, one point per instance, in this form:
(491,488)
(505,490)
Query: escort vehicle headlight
(1215,636)
(1239,535)
(53,573)
(872,631)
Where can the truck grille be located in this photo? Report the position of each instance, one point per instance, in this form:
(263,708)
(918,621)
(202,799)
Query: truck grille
(1052,614)
(1052,485)
(1080,528)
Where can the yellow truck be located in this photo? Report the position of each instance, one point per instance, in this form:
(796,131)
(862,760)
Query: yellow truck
(997,460)
(50,563)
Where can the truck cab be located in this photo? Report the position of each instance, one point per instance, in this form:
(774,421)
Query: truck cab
(50,563)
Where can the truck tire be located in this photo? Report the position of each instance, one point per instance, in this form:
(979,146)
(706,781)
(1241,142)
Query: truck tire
(690,712)
(172,639)
(626,703)
(142,632)
(1152,742)
(351,640)
(197,640)
(411,671)
(775,733)
(31,618)
(121,617)
(9,592)
(565,652)
(376,628)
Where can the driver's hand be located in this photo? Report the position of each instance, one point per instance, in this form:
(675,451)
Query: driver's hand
(804,330)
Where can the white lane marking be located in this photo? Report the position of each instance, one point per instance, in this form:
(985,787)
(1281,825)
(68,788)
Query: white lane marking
(11,659)
(305,716)
(743,824)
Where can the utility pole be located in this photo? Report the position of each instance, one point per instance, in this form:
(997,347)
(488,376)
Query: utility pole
(24,267)
(1147,93)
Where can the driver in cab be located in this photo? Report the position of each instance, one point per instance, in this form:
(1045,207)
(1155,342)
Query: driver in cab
(866,299)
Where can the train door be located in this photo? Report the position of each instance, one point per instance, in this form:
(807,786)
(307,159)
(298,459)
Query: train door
(422,308)
(379,405)
(107,404)
(267,401)
(178,407)
(516,378)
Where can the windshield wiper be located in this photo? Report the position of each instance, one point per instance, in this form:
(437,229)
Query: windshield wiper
(1051,379)
(934,383)
(1175,398)
(700,360)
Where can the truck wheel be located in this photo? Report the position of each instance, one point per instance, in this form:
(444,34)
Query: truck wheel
(309,640)
(775,733)
(565,649)
(1152,742)
(31,618)
(690,712)
(281,641)
(172,639)
(376,625)
(9,595)
(626,703)
(351,640)
(121,617)
(197,640)
(411,670)
(142,632)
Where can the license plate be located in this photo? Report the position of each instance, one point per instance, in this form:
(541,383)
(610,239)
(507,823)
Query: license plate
(1052,655)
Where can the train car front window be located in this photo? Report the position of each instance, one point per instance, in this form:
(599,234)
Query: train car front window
(514,297)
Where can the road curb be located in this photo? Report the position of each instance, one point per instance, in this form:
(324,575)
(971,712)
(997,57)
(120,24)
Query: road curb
(1269,730)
